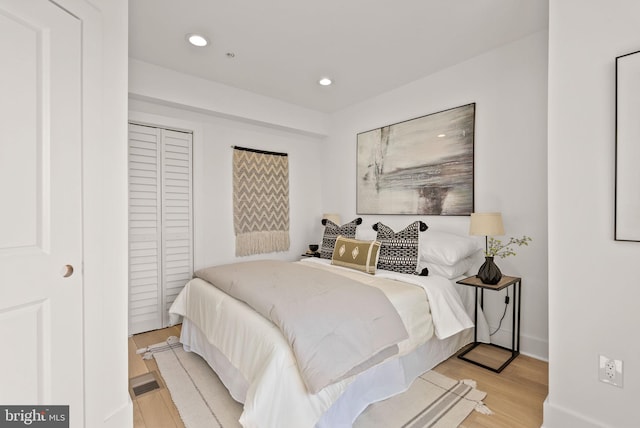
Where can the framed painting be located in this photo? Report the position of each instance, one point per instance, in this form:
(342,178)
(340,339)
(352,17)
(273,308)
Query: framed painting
(422,166)
(627,179)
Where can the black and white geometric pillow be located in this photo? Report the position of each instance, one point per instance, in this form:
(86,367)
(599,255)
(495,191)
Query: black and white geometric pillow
(331,232)
(399,250)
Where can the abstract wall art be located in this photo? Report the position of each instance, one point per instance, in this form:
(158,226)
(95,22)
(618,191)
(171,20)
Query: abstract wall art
(422,166)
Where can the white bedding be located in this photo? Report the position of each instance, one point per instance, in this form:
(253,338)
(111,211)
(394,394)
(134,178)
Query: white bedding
(271,389)
(447,310)
(363,329)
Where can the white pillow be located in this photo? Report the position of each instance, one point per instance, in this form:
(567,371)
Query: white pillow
(449,272)
(366,233)
(443,248)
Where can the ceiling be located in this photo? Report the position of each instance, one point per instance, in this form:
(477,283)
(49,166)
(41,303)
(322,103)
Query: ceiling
(283,47)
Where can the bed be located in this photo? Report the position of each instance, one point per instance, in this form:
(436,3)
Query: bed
(259,364)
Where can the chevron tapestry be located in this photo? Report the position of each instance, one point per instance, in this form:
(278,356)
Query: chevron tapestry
(260,201)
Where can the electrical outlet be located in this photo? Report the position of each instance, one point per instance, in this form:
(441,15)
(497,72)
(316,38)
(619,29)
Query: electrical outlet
(610,371)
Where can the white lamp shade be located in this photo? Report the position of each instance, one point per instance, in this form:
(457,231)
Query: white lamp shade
(335,218)
(486,224)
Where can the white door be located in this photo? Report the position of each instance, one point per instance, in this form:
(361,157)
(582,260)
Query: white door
(145,224)
(160,223)
(40,216)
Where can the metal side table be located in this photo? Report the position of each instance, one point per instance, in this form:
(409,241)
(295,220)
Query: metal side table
(505,282)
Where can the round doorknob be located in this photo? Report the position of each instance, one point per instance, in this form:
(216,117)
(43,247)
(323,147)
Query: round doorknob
(67,271)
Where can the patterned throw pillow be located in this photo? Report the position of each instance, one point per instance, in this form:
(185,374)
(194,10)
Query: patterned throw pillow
(331,232)
(399,250)
(355,254)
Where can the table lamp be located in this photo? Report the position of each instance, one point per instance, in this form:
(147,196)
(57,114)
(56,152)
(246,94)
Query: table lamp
(335,218)
(487,224)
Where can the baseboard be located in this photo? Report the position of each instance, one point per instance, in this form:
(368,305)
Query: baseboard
(530,346)
(559,417)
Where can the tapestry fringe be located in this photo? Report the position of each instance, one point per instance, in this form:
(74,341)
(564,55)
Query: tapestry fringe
(262,242)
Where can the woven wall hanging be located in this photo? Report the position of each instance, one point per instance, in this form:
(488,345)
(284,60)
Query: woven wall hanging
(260,201)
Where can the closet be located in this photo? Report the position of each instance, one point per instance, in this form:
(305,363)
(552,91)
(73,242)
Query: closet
(160,223)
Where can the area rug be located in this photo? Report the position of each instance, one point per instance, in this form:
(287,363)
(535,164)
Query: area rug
(433,400)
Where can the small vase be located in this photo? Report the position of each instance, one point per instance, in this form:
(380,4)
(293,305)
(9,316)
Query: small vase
(489,272)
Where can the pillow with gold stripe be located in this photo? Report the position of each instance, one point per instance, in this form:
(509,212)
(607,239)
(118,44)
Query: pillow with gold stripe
(356,254)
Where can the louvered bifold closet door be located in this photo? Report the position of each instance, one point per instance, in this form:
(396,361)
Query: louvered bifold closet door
(177,248)
(145,244)
(160,223)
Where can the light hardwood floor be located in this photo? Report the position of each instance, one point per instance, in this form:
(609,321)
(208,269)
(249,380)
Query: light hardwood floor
(153,409)
(515,396)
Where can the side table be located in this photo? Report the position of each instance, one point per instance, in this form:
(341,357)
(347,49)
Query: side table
(316,254)
(505,282)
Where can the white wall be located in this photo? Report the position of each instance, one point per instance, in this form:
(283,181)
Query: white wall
(509,87)
(592,288)
(214,238)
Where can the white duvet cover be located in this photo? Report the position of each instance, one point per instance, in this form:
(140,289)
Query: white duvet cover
(272,390)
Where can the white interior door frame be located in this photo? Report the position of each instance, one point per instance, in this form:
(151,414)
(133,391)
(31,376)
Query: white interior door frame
(104,156)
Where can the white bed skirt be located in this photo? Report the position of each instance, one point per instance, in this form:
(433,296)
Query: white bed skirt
(378,383)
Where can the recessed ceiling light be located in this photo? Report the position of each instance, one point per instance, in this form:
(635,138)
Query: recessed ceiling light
(325,81)
(442,135)
(197,40)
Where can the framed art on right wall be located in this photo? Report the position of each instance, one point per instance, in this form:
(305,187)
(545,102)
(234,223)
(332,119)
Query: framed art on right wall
(422,166)
(627,172)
